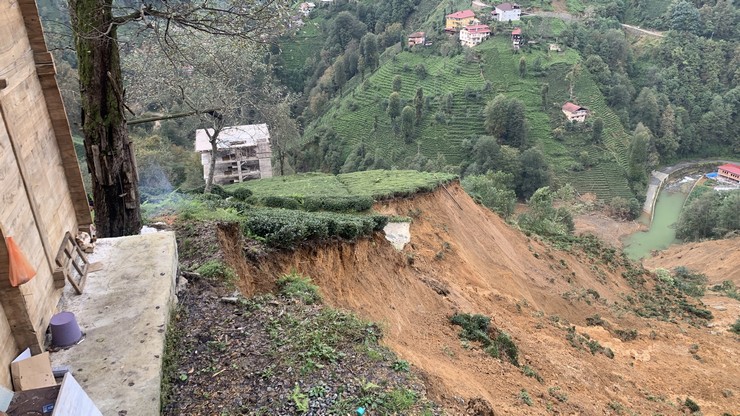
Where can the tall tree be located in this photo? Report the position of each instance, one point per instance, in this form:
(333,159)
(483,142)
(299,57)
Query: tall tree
(419,104)
(107,145)
(394,105)
(407,123)
(522,67)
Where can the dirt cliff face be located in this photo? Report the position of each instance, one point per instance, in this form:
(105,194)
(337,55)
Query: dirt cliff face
(464,258)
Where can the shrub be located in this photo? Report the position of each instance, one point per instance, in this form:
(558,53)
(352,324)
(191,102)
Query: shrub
(280,202)
(735,328)
(691,405)
(689,282)
(594,321)
(296,286)
(241,194)
(626,334)
(474,327)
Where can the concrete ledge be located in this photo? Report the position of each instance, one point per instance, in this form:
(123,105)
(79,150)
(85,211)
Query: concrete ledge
(124,312)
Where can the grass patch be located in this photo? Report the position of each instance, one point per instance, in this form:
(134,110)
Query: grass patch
(295,286)
(217,270)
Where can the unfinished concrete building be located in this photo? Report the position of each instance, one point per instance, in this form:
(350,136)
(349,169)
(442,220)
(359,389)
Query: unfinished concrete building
(244,153)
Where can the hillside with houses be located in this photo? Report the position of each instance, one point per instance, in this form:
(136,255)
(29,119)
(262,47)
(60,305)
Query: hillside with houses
(369,207)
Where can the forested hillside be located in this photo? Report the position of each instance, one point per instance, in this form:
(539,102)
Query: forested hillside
(654,97)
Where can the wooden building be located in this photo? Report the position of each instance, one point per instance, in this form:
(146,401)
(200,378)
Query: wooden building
(42,196)
(244,153)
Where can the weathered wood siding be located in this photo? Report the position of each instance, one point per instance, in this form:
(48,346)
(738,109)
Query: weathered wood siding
(35,145)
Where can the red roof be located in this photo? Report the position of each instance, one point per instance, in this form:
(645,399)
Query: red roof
(478,29)
(416,35)
(517,31)
(507,6)
(731,167)
(572,108)
(461,15)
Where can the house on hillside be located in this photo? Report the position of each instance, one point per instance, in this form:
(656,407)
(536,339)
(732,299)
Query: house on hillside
(730,172)
(306,8)
(417,38)
(516,37)
(554,47)
(474,34)
(507,12)
(575,112)
(459,20)
(244,153)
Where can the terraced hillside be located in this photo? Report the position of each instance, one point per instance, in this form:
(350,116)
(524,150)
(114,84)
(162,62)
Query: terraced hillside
(472,80)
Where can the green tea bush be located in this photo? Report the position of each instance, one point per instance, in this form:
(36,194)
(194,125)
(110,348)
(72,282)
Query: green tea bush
(355,203)
(242,194)
(286,202)
(287,228)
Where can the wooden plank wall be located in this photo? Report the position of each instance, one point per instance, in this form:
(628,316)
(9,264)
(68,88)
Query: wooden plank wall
(35,121)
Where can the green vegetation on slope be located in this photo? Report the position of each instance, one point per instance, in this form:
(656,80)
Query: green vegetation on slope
(456,90)
(378,184)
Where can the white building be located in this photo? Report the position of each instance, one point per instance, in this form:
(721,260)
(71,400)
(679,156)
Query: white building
(474,34)
(575,112)
(306,8)
(506,12)
(244,153)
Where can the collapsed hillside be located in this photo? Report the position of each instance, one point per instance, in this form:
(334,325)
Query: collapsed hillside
(463,258)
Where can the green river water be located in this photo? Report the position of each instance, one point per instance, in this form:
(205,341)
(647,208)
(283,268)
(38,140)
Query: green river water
(661,233)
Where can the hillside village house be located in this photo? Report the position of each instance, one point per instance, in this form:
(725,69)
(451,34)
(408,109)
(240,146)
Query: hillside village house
(507,12)
(516,37)
(730,172)
(306,8)
(459,20)
(244,153)
(417,38)
(474,35)
(575,112)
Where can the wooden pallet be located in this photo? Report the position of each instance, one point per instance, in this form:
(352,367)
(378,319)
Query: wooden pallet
(71,263)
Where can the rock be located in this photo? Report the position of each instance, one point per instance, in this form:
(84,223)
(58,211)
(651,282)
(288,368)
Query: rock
(479,407)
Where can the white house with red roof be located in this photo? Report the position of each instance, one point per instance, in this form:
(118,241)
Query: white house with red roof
(459,20)
(575,112)
(507,12)
(474,34)
(417,38)
(729,171)
(516,37)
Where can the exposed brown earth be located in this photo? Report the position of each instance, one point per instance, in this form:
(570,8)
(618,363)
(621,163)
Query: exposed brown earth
(464,258)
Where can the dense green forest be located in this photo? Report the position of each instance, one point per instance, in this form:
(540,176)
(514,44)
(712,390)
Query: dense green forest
(343,92)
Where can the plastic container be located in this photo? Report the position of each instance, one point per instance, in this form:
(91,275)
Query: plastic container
(64,329)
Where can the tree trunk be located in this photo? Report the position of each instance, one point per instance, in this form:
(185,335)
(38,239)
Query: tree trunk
(213,139)
(110,156)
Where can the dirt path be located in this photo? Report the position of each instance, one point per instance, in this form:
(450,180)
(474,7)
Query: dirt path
(643,31)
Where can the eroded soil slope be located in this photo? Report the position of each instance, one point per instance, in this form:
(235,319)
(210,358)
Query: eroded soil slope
(463,258)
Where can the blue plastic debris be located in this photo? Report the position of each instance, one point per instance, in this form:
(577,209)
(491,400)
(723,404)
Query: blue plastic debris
(360,411)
